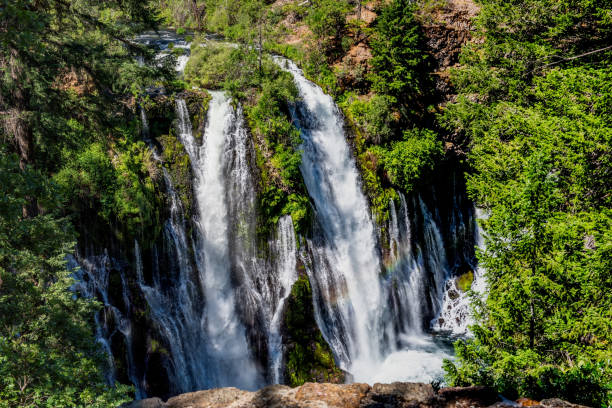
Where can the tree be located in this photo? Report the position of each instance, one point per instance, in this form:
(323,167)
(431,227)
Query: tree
(398,61)
(407,161)
(540,151)
(327,20)
(47,45)
(48,355)
(544,327)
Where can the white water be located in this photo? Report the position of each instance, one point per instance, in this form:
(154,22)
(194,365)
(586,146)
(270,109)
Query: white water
(218,316)
(373,323)
(349,283)
(286,275)
(92,281)
(229,358)
(456,314)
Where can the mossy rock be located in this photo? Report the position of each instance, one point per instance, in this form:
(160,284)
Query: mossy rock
(308,357)
(198,102)
(464,282)
(176,161)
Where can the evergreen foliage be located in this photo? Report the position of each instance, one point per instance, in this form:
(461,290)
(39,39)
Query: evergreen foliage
(536,111)
(48,356)
(68,150)
(398,61)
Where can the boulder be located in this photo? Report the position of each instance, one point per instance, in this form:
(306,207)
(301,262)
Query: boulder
(331,395)
(214,398)
(401,395)
(559,403)
(328,395)
(475,396)
(145,403)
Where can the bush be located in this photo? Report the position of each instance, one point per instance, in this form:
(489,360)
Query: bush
(398,57)
(406,161)
(374,116)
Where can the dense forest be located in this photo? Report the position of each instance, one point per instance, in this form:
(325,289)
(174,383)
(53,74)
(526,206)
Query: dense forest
(517,105)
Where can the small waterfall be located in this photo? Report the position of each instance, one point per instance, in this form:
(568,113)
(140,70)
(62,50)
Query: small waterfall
(435,256)
(175,308)
(229,359)
(285,274)
(456,313)
(92,281)
(144,123)
(406,271)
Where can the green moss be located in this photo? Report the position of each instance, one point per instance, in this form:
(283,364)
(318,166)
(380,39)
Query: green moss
(197,103)
(176,161)
(464,282)
(308,357)
(156,347)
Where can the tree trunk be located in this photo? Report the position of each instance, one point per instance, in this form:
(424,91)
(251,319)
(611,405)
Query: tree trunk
(260,48)
(15,123)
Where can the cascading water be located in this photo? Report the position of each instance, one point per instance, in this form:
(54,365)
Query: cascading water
(456,313)
(348,283)
(229,359)
(372,321)
(286,275)
(92,281)
(216,294)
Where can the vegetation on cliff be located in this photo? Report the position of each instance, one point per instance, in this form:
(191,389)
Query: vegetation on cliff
(534,101)
(70,158)
(308,357)
(265,93)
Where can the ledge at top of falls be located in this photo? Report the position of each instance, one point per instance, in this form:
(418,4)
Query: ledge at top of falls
(325,395)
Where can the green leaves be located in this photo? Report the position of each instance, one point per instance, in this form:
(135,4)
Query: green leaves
(407,161)
(398,60)
(48,355)
(540,147)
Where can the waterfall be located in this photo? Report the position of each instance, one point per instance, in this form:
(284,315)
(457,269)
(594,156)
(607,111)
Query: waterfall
(215,290)
(373,321)
(286,275)
(229,359)
(456,314)
(349,282)
(406,270)
(144,123)
(92,281)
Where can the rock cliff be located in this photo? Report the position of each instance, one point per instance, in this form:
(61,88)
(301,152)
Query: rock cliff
(325,395)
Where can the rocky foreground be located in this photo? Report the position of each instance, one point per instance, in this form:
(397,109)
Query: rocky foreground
(323,395)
